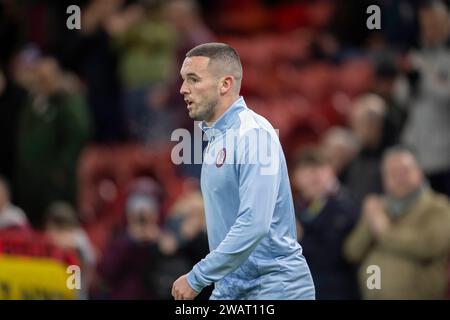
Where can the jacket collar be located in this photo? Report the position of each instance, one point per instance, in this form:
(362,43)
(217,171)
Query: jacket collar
(225,121)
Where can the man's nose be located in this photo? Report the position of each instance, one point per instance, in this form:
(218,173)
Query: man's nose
(184,90)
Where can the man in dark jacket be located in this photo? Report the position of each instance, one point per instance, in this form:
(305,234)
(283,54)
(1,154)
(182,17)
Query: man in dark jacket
(325,215)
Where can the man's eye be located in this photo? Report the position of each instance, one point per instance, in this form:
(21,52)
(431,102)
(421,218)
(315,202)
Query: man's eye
(193,80)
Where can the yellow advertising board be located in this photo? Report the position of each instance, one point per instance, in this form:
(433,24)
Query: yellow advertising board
(33,278)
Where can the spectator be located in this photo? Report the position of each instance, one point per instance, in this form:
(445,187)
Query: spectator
(386,85)
(187,224)
(63,230)
(366,121)
(123,267)
(146,44)
(10,215)
(163,99)
(340,147)
(325,214)
(53,128)
(11,101)
(185,16)
(91,53)
(184,241)
(427,129)
(405,232)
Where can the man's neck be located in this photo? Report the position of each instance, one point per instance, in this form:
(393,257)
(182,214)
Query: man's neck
(221,108)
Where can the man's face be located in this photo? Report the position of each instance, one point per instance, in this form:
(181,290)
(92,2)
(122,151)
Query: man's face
(313,181)
(401,175)
(143,224)
(434,26)
(339,154)
(363,127)
(200,88)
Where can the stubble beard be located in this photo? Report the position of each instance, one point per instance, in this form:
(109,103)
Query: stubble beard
(207,113)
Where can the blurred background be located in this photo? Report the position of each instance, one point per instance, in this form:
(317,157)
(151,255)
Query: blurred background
(86,117)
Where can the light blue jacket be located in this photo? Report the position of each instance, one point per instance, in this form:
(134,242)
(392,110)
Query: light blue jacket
(254,253)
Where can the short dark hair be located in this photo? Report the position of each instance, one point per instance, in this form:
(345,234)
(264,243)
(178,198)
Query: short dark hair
(214,50)
(311,157)
(220,52)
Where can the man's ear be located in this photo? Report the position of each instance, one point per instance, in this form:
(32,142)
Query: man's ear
(226,84)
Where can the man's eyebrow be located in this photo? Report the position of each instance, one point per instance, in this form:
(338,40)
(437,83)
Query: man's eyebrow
(192,74)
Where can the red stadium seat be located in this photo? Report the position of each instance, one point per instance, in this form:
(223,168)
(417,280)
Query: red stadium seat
(354,77)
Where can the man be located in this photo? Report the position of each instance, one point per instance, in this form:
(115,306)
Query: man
(63,229)
(326,214)
(340,145)
(366,118)
(406,234)
(248,204)
(427,128)
(53,128)
(129,257)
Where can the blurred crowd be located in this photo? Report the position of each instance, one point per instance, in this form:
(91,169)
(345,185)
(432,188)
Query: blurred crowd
(86,118)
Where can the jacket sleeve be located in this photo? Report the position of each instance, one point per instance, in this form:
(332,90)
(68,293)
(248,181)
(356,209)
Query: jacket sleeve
(358,242)
(424,241)
(258,194)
